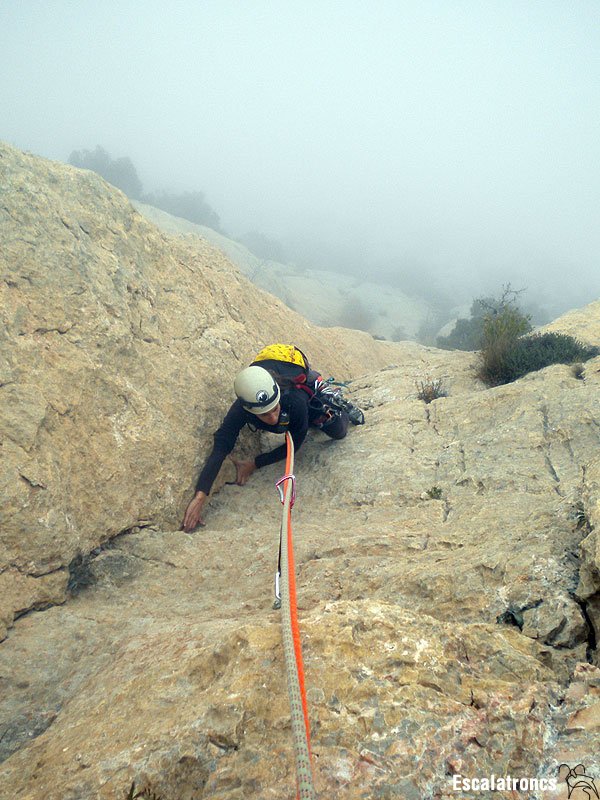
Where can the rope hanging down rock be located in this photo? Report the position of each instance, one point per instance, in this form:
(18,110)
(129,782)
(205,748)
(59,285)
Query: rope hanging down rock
(292,650)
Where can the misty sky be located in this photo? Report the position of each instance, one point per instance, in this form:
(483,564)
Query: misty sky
(453,140)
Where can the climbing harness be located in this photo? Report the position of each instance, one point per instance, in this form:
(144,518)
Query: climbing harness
(285,580)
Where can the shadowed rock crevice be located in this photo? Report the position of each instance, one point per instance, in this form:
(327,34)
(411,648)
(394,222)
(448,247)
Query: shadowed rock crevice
(87,569)
(18,732)
(553,474)
(587,609)
(514,616)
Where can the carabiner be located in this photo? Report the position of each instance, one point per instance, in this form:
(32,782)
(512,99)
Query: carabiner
(291,478)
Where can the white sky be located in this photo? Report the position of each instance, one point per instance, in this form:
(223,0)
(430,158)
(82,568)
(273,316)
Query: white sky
(458,139)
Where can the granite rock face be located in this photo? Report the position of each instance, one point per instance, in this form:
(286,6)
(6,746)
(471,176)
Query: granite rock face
(447,553)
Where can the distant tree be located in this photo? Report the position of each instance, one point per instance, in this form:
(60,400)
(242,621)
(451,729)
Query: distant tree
(263,246)
(466,334)
(122,174)
(189,205)
(120,171)
(487,313)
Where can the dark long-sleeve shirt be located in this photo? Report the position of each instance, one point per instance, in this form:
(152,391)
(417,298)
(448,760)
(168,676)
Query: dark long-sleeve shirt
(293,403)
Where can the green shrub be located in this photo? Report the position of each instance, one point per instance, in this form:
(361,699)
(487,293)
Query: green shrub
(507,356)
(506,324)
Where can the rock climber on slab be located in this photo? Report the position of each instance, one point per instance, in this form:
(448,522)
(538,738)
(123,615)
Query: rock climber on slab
(278,393)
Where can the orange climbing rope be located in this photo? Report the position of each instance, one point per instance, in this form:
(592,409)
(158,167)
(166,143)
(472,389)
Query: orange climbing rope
(291,633)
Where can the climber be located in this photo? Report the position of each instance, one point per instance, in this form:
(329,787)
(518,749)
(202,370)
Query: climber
(277,393)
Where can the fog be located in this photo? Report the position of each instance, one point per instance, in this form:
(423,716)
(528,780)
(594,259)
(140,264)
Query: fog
(453,146)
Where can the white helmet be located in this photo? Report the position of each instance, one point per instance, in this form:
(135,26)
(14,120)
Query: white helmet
(257,389)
